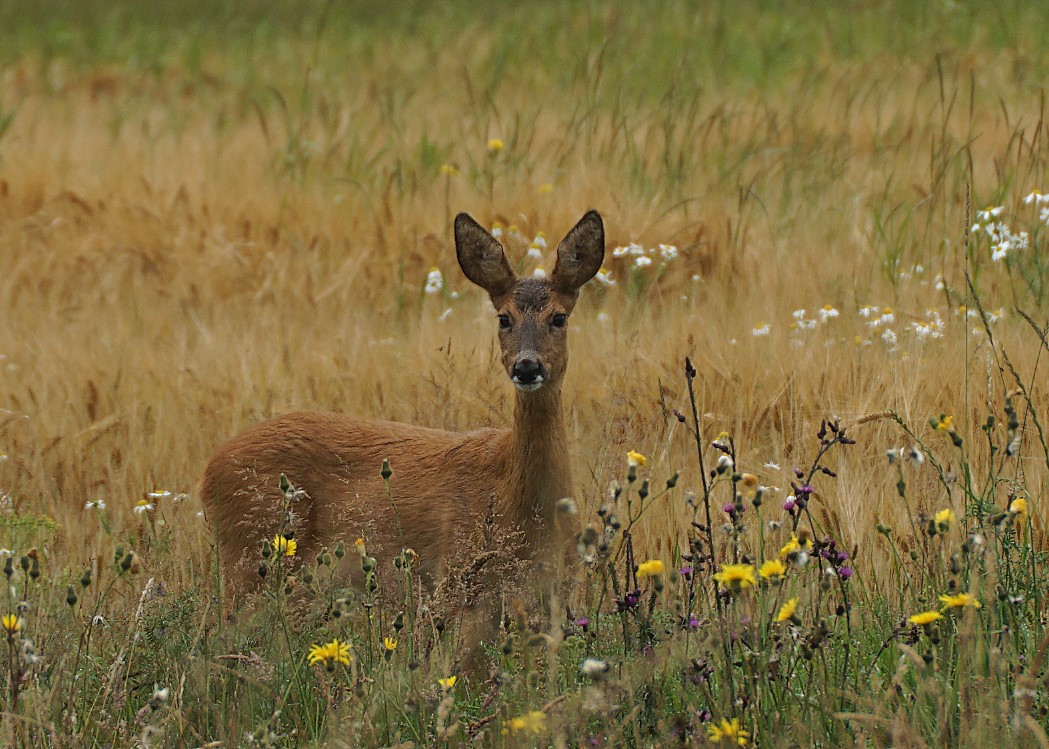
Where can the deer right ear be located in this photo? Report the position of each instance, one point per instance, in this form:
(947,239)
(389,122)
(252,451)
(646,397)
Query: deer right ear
(481,257)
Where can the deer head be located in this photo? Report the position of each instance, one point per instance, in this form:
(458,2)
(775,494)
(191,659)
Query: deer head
(532,312)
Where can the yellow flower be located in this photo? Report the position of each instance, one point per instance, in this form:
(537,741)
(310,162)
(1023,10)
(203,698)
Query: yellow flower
(786,611)
(533,722)
(359,545)
(925,617)
(284,545)
(794,546)
(943,519)
(448,170)
(749,481)
(959,601)
(945,424)
(737,575)
(635,459)
(448,682)
(495,145)
(332,652)
(389,643)
(11,623)
(772,568)
(730,731)
(651,567)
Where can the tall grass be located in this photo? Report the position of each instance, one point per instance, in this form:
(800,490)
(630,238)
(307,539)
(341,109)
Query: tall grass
(208,217)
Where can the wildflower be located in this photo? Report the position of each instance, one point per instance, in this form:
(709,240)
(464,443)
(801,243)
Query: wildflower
(11,623)
(448,682)
(790,503)
(95,504)
(668,252)
(535,252)
(330,653)
(389,644)
(889,336)
(449,170)
(989,213)
(642,261)
(434,281)
(772,568)
(914,455)
(749,481)
(497,230)
(495,145)
(761,330)
(736,576)
(943,519)
(539,241)
(845,572)
(945,424)
(1036,197)
(772,466)
(593,667)
(284,545)
(731,731)
(725,463)
(160,494)
(959,601)
(924,618)
(635,459)
(650,568)
(604,277)
(533,722)
(786,611)
(1000,251)
(142,506)
(827,312)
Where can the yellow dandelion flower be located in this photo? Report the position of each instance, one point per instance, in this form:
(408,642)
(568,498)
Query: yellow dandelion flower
(727,730)
(924,618)
(650,568)
(495,145)
(944,519)
(448,682)
(945,424)
(359,545)
(740,576)
(773,568)
(533,722)
(959,601)
(389,644)
(449,170)
(786,611)
(635,459)
(11,623)
(333,652)
(284,545)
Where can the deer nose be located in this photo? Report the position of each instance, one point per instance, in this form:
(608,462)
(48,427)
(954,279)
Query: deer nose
(527,372)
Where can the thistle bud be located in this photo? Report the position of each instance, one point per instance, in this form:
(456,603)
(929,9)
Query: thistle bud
(125,563)
(398,623)
(263,570)
(85,579)
(284,483)
(672,481)
(71,598)
(386,472)
(34,569)
(340,550)
(24,564)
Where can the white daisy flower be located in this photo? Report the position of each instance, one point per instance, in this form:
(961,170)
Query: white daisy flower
(761,330)
(434,281)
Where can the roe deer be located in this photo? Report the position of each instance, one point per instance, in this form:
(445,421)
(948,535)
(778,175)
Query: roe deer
(442,481)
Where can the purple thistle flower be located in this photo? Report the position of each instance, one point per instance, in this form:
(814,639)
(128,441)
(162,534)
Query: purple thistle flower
(693,622)
(583,621)
(845,573)
(704,716)
(788,506)
(805,489)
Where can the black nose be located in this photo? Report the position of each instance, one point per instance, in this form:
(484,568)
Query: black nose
(527,371)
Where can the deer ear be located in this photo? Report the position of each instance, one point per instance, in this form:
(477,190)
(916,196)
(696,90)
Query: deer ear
(481,257)
(580,254)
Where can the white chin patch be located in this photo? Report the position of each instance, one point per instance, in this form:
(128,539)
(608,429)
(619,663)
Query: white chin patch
(527,387)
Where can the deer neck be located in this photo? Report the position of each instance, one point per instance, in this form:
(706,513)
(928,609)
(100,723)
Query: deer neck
(538,473)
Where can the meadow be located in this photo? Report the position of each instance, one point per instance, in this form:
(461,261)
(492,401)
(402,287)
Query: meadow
(818,334)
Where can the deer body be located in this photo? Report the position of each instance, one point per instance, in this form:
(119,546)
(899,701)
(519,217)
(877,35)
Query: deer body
(442,482)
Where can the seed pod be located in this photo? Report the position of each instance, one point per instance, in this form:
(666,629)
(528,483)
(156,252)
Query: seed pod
(71,598)
(85,579)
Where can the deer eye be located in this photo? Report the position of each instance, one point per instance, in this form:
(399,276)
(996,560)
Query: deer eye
(504,322)
(559,320)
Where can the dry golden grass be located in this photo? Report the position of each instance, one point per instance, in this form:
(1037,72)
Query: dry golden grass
(184,255)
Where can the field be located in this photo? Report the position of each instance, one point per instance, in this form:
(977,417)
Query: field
(210,216)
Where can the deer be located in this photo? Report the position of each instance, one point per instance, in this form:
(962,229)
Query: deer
(441,480)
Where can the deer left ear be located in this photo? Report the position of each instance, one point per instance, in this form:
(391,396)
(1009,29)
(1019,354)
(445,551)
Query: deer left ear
(580,254)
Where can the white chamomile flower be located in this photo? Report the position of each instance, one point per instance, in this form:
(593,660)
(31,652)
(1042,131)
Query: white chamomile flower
(604,277)
(889,337)
(539,273)
(434,281)
(535,251)
(827,312)
(798,314)
(142,507)
(95,504)
(162,494)
(987,214)
(642,261)
(761,330)
(668,252)
(539,241)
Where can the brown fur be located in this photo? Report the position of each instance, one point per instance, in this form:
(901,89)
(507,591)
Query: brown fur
(442,481)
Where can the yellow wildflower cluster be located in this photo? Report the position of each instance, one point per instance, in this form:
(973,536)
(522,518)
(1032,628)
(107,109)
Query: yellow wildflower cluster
(727,730)
(650,568)
(533,722)
(786,611)
(284,545)
(737,576)
(329,654)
